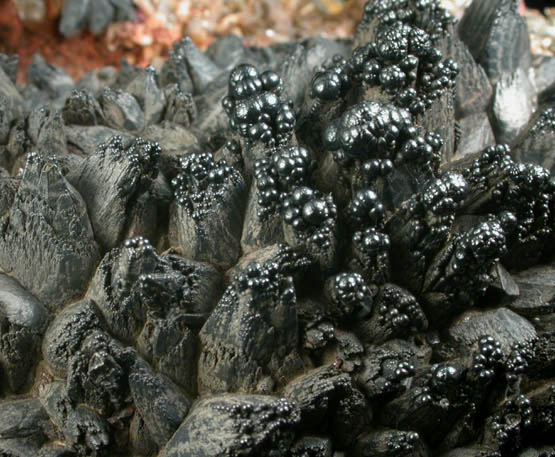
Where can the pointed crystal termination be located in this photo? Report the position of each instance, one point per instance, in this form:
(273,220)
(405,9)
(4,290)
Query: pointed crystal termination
(112,182)
(207,219)
(46,238)
(252,424)
(252,332)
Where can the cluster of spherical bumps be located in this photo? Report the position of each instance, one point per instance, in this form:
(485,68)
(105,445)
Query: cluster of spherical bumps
(288,167)
(201,181)
(254,107)
(307,211)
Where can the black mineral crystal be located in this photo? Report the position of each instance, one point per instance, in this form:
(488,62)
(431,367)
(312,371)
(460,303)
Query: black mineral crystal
(327,248)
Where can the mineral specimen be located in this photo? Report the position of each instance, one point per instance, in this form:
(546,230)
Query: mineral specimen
(319,249)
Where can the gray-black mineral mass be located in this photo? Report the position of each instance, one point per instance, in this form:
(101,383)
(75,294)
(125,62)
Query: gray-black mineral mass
(329,248)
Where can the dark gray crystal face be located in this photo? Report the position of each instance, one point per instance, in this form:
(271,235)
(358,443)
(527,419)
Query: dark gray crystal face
(117,180)
(236,424)
(259,309)
(206,218)
(323,248)
(49,216)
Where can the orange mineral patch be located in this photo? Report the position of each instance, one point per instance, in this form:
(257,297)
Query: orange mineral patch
(76,55)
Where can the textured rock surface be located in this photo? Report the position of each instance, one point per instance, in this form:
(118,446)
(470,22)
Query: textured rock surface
(535,143)
(246,425)
(515,91)
(506,326)
(256,313)
(48,216)
(113,180)
(497,37)
(66,332)
(19,306)
(310,249)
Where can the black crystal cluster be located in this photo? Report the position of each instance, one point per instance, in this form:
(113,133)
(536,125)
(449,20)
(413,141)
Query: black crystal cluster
(320,249)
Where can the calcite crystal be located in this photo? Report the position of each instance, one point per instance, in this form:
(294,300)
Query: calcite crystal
(325,248)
